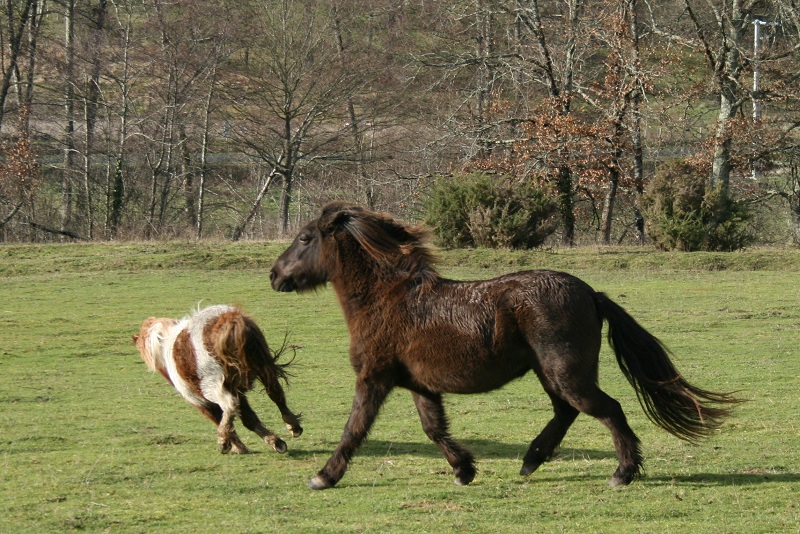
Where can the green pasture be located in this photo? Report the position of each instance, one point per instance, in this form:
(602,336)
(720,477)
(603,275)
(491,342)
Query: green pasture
(93,442)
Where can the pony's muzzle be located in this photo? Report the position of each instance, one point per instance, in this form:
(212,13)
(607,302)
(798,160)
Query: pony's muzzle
(284,284)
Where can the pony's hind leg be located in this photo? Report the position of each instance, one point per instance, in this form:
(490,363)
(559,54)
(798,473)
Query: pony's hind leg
(275,392)
(542,448)
(629,455)
(607,410)
(251,421)
(434,423)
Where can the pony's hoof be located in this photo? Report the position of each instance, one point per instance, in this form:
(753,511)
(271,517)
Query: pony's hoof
(464,475)
(296,430)
(619,480)
(527,469)
(319,483)
(278,445)
(239,449)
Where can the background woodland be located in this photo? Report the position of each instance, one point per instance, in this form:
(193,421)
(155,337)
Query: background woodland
(155,119)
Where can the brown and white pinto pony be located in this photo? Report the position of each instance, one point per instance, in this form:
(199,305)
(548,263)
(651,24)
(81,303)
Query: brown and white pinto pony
(411,328)
(212,357)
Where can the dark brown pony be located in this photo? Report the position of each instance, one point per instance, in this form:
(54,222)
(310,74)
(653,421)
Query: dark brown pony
(411,328)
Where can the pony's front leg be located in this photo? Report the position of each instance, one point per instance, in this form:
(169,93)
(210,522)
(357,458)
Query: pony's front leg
(227,438)
(434,423)
(230,442)
(370,394)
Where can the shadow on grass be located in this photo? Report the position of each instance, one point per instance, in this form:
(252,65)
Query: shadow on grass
(479,447)
(484,449)
(728,479)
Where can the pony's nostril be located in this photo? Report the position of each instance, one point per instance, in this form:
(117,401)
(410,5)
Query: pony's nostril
(272,275)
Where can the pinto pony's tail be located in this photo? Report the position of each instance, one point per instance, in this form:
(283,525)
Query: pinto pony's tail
(244,354)
(685,411)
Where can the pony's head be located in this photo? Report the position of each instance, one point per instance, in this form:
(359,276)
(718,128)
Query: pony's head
(345,232)
(149,341)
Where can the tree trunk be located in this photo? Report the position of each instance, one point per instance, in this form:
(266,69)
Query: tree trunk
(636,120)
(286,200)
(26,85)
(90,111)
(484,51)
(116,191)
(69,117)
(366,183)
(560,88)
(15,42)
(721,162)
(608,204)
(566,201)
(201,187)
(239,230)
(188,173)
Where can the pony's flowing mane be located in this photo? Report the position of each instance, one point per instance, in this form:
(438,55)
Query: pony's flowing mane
(402,248)
(156,332)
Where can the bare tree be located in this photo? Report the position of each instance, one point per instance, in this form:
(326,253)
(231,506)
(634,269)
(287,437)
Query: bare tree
(119,113)
(290,97)
(615,94)
(719,30)
(15,22)
(69,167)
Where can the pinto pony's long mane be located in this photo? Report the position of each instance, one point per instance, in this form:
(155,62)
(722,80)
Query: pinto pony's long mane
(391,244)
(150,341)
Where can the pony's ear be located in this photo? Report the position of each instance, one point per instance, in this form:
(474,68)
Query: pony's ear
(334,216)
(135,339)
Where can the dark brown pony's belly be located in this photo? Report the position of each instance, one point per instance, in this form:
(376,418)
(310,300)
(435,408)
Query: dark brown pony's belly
(464,364)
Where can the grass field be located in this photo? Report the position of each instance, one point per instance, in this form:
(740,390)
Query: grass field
(91,441)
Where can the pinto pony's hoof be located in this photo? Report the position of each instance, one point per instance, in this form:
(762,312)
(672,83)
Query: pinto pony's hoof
(239,449)
(296,430)
(319,483)
(277,444)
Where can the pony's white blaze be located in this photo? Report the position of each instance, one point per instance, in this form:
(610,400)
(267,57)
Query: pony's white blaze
(180,351)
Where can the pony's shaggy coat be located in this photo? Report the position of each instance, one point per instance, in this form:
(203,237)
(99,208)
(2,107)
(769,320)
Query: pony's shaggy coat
(411,328)
(212,358)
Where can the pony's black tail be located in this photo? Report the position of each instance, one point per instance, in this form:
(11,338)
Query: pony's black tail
(244,353)
(684,410)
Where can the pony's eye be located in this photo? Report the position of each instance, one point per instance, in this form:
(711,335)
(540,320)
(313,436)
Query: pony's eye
(304,239)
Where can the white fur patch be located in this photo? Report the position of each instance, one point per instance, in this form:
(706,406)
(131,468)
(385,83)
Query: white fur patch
(209,372)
